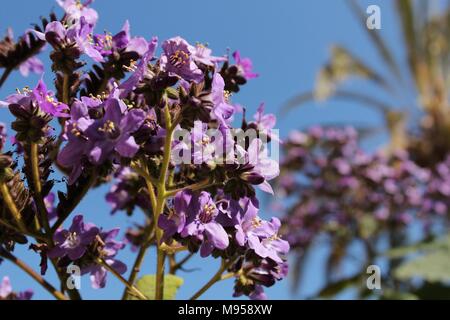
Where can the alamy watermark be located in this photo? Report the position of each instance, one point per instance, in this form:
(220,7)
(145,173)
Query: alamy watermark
(201,145)
(373,21)
(373,282)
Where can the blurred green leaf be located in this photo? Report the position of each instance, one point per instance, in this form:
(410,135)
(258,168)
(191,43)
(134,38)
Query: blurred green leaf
(432,267)
(172,283)
(437,244)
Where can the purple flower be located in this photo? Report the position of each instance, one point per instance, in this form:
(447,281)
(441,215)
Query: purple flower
(39,97)
(6,292)
(33,64)
(47,102)
(195,216)
(49,202)
(127,192)
(245,66)
(209,146)
(177,59)
(255,275)
(176,221)
(78,145)
(114,132)
(80,34)
(264,123)
(98,140)
(106,43)
(73,242)
(202,54)
(127,86)
(107,252)
(263,165)
(75,9)
(222,110)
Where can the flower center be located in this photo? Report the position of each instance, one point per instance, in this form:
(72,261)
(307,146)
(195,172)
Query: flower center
(179,58)
(205,140)
(256,222)
(73,240)
(207,214)
(110,129)
(227,95)
(51,100)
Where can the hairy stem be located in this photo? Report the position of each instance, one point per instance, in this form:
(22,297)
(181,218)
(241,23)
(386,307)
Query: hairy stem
(22,265)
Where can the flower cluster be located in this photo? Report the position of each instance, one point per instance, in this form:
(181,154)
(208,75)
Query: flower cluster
(84,244)
(233,230)
(339,187)
(121,120)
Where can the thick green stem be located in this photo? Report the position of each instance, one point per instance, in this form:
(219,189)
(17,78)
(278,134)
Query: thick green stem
(66,84)
(22,265)
(161,201)
(34,157)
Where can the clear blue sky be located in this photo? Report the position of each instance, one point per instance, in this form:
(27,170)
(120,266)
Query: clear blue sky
(287,40)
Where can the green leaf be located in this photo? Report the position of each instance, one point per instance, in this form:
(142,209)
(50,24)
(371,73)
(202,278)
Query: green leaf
(425,246)
(147,283)
(432,267)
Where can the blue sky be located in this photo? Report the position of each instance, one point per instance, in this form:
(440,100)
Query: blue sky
(287,40)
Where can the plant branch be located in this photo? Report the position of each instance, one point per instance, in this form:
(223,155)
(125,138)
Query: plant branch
(34,155)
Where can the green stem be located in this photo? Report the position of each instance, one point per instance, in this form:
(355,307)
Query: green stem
(161,201)
(136,269)
(34,155)
(12,206)
(22,265)
(216,278)
(194,187)
(66,89)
